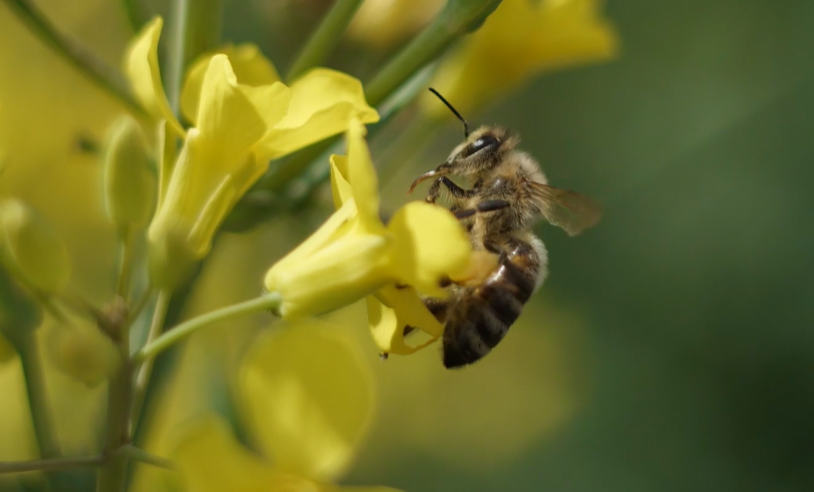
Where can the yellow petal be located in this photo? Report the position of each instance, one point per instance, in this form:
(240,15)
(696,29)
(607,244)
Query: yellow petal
(308,397)
(391,310)
(235,117)
(340,187)
(250,66)
(210,459)
(346,268)
(323,103)
(362,178)
(429,244)
(517,42)
(141,68)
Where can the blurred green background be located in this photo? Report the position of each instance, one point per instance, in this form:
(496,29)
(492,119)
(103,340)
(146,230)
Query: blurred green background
(672,347)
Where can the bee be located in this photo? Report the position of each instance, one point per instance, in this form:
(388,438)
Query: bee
(509,194)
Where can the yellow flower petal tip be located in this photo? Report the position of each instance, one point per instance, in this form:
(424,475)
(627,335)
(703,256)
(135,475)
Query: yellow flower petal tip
(391,311)
(142,70)
(308,396)
(251,68)
(31,248)
(323,103)
(520,40)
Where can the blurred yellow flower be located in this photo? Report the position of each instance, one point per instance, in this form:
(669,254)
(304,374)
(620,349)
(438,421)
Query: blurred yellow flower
(237,128)
(31,248)
(381,24)
(518,41)
(82,352)
(353,254)
(308,399)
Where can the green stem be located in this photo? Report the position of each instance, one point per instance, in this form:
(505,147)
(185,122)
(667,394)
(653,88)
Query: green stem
(50,465)
(112,476)
(263,303)
(324,40)
(138,454)
(196,28)
(37,396)
(456,19)
(136,14)
(92,67)
(146,369)
(126,262)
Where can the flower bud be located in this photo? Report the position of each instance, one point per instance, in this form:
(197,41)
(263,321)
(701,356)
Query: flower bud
(82,352)
(129,187)
(31,248)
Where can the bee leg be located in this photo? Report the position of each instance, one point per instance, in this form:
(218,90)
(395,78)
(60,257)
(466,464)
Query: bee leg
(482,207)
(455,190)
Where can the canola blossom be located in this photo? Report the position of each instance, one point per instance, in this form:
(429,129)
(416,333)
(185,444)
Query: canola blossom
(354,254)
(305,420)
(237,127)
(522,39)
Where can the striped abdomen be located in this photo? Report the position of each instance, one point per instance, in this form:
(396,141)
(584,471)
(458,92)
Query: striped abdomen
(480,316)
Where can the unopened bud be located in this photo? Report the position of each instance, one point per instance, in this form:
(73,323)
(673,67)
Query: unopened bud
(82,352)
(31,248)
(129,186)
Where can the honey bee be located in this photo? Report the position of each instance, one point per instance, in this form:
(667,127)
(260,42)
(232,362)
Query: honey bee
(509,194)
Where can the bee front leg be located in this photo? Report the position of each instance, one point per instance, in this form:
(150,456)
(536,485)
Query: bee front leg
(454,190)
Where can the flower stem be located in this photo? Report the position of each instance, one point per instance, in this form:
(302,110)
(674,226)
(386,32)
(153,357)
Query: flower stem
(50,465)
(136,14)
(88,64)
(146,369)
(456,19)
(138,454)
(126,262)
(196,27)
(113,475)
(37,396)
(324,40)
(263,303)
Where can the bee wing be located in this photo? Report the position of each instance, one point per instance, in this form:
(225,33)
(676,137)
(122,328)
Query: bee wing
(569,210)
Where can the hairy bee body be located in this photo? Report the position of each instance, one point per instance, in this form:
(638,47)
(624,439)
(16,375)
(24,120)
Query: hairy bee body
(477,318)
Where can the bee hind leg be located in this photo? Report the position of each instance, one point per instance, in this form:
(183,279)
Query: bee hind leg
(482,207)
(454,190)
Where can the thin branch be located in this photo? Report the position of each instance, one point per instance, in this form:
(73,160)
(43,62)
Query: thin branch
(50,465)
(91,66)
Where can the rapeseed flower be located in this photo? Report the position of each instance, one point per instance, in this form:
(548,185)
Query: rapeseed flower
(354,254)
(307,398)
(521,39)
(237,127)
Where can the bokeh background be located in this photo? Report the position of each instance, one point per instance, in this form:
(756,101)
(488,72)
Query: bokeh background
(672,347)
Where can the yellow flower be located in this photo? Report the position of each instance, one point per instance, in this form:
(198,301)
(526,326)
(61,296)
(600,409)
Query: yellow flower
(518,41)
(307,398)
(238,126)
(31,249)
(381,24)
(353,254)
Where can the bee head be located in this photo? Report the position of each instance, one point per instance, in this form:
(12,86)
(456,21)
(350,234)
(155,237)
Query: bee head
(482,151)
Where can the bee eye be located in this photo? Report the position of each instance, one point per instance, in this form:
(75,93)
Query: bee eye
(480,144)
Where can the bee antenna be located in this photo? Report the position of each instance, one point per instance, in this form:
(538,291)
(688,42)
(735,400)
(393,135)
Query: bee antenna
(454,111)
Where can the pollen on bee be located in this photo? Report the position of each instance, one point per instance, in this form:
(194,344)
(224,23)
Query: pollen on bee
(481,265)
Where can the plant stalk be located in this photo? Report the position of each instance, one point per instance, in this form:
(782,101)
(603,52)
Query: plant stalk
(324,40)
(87,63)
(174,335)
